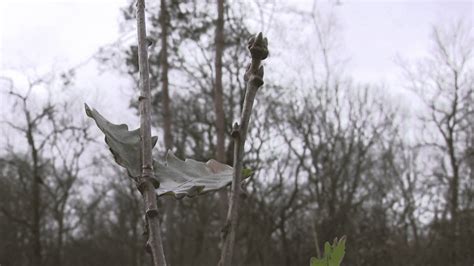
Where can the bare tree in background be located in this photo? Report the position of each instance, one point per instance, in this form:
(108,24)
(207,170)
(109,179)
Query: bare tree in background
(48,129)
(335,131)
(329,157)
(444,83)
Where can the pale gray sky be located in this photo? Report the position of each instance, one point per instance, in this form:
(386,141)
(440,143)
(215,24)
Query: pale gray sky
(39,33)
(377,31)
(37,37)
(43,35)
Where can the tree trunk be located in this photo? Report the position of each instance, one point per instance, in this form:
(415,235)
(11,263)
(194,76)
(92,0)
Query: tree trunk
(59,240)
(454,202)
(169,205)
(35,195)
(284,241)
(218,91)
(219,102)
(36,203)
(454,182)
(167,117)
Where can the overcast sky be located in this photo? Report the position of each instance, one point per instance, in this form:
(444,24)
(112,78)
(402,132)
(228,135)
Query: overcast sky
(43,35)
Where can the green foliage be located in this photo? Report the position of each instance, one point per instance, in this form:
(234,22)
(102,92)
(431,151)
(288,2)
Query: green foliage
(247,172)
(174,177)
(333,254)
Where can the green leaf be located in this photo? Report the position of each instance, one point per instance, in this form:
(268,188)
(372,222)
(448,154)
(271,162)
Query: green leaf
(338,250)
(173,177)
(318,262)
(246,172)
(333,254)
(327,248)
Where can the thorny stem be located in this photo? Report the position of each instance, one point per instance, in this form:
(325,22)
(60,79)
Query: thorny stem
(254,77)
(145,186)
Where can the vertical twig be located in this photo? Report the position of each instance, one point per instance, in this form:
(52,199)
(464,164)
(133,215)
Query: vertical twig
(145,185)
(258,47)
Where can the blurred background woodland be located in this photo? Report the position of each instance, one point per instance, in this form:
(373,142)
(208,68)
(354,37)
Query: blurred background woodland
(331,156)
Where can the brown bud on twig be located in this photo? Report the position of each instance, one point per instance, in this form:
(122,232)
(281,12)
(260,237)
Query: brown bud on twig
(150,41)
(260,72)
(256,81)
(148,247)
(258,47)
(235,130)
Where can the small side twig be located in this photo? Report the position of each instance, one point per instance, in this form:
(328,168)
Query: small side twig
(258,47)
